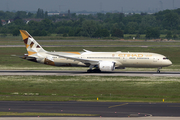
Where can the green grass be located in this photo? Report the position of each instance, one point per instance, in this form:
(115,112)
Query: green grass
(43,41)
(60,37)
(107,42)
(44,114)
(17,40)
(89,88)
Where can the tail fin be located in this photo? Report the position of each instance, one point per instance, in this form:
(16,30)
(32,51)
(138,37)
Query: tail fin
(32,46)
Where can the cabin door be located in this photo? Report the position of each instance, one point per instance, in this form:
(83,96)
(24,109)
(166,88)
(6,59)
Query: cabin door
(154,59)
(124,59)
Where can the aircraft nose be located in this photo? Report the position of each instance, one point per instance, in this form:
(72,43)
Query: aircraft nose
(169,62)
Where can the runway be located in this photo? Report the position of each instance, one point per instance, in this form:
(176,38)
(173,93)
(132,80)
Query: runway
(83,73)
(102,109)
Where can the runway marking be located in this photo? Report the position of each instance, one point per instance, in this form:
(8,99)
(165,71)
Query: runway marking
(117,105)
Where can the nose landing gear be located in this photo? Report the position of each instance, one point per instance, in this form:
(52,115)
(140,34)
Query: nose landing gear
(158,71)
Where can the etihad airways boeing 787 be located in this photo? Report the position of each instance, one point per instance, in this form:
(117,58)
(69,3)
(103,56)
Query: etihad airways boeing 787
(96,61)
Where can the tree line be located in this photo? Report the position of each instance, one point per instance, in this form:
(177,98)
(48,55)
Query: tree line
(95,25)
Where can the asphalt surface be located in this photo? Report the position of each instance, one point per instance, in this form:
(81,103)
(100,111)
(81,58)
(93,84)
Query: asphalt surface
(103,109)
(82,73)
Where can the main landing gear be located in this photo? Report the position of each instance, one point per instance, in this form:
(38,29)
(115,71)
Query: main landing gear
(91,70)
(158,71)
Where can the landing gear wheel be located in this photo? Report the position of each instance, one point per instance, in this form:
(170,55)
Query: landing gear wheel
(96,70)
(90,71)
(158,71)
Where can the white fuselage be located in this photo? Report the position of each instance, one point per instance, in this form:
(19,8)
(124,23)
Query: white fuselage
(121,59)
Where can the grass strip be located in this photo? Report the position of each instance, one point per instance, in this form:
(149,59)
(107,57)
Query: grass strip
(45,114)
(89,88)
(92,42)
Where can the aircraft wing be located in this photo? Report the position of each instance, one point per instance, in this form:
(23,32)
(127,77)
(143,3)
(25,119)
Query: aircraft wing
(85,61)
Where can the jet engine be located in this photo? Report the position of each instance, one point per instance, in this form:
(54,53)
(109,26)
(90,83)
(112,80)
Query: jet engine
(106,66)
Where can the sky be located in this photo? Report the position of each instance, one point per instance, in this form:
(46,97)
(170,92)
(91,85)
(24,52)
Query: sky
(88,5)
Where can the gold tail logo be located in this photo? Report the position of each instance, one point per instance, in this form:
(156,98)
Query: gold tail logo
(32,46)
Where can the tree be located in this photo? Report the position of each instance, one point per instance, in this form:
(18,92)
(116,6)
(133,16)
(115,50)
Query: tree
(46,14)
(152,33)
(131,28)
(19,22)
(40,13)
(132,18)
(117,33)
(101,33)
(46,24)
(39,33)
(30,15)
(175,36)
(137,36)
(108,18)
(100,16)
(16,32)
(105,33)
(90,17)
(71,32)
(171,21)
(77,32)
(43,33)
(73,15)
(97,33)
(88,28)
(21,14)
(147,21)
(118,17)
(4,31)
(2,15)
(169,35)
(0,23)
(64,35)
(32,25)
(60,30)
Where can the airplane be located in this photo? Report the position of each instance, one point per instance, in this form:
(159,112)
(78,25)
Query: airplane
(96,61)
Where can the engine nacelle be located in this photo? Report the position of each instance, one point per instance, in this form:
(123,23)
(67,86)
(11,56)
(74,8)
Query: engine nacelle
(106,66)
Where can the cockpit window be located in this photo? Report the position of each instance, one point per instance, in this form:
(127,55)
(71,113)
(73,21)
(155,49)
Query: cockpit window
(165,58)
